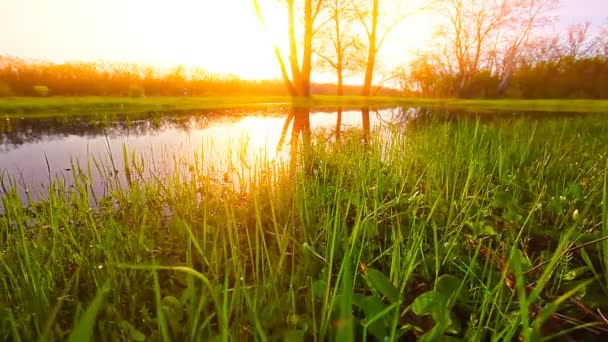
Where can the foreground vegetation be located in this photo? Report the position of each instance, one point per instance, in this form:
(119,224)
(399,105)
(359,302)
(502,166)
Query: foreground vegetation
(468,230)
(87,105)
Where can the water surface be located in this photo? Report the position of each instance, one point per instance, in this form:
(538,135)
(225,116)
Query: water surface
(34,151)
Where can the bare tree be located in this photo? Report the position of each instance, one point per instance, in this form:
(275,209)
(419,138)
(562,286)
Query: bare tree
(338,46)
(470,31)
(370,15)
(298,83)
(489,34)
(578,43)
(601,41)
(541,49)
(525,16)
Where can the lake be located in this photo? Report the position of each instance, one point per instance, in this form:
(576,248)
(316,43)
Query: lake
(34,151)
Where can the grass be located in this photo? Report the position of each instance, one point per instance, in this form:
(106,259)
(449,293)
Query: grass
(467,230)
(52,106)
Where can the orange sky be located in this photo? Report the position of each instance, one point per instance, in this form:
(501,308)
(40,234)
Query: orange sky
(221,36)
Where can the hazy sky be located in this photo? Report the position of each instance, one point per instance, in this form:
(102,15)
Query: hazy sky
(220,35)
(572,11)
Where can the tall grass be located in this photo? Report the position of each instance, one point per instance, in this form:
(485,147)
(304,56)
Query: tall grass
(468,230)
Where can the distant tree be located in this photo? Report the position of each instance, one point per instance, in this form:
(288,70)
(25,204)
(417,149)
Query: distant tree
(377,25)
(578,42)
(338,47)
(470,27)
(485,34)
(541,49)
(20,77)
(401,77)
(601,41)
(524,18)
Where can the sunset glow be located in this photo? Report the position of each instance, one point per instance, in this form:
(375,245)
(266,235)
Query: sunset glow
(220,36)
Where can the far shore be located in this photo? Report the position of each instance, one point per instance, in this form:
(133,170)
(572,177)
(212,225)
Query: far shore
(91,105)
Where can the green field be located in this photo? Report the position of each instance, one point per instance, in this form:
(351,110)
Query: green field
(36,106)
(470,230)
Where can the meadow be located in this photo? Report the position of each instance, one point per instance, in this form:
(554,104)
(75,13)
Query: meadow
(471,229)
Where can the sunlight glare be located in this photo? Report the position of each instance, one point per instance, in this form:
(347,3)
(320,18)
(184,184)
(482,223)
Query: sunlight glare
(222,36)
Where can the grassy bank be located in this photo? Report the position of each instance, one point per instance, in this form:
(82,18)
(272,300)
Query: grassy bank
(461,231)
(32,106)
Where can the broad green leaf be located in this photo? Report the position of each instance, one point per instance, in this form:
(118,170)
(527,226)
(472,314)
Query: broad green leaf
(370,305)
(382,284)
(431,303)
(449,285)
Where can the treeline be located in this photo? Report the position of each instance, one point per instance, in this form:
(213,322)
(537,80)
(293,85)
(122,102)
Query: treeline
(21,77)
(509,49)
(555,79)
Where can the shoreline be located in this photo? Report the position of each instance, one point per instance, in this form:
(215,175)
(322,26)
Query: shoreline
(50,106)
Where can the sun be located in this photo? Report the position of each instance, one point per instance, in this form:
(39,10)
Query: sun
(221,36)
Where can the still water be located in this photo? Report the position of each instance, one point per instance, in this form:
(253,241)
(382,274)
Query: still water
(34,151)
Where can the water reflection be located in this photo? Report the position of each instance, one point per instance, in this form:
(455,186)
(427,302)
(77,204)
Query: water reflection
(18,131)
(32,151)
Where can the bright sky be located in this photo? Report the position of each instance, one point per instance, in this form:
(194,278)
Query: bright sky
(219,35)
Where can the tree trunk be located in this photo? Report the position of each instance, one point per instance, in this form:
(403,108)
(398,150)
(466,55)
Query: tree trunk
(304,83)
(504,80)
(371,54)
(293,47)
(366,124)
(340,89)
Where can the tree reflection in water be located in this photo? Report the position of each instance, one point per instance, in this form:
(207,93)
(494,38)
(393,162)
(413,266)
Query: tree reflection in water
(18,131)
(299,120)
